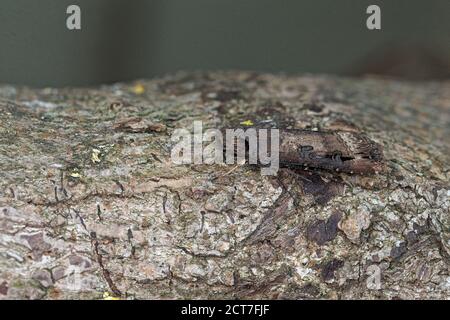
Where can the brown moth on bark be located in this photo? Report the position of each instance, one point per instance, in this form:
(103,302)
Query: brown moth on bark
(339,151)
(335,151)
(237,236)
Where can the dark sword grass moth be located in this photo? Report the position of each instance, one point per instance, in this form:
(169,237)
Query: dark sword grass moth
(334,151)
(337,151)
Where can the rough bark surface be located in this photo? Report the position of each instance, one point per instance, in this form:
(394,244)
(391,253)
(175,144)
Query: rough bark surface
(90,202)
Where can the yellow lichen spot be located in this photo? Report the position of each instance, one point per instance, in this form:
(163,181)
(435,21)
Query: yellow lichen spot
(107,296)
(95,156)
(138,88)
(75,175)
(247,123)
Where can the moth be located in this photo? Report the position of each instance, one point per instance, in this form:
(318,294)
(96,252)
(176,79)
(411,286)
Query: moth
(337,151)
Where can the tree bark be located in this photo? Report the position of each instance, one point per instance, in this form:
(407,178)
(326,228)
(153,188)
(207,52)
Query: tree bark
(91,205)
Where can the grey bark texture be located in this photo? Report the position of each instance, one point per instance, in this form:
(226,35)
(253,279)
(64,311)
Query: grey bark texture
(92,207)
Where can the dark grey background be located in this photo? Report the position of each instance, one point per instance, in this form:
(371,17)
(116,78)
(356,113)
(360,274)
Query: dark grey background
(122,40)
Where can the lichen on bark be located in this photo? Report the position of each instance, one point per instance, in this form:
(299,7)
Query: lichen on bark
(91,203)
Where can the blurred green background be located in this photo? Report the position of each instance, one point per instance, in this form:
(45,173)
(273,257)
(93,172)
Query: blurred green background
(123,40)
